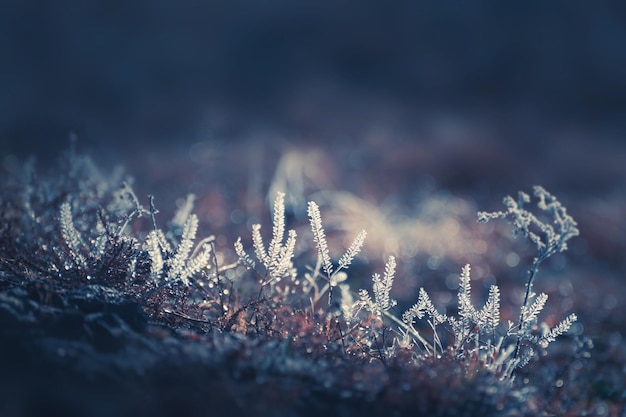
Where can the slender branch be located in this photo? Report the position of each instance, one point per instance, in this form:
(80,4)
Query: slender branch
(532,272)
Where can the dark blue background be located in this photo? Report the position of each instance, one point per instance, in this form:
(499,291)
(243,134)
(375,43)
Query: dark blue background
(158,71)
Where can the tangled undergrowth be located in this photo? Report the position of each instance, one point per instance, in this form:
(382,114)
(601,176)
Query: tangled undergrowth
(266,329)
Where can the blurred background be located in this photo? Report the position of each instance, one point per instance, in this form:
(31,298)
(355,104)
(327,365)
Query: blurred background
(479,97)
(228,99)
(233,100)
(152,72)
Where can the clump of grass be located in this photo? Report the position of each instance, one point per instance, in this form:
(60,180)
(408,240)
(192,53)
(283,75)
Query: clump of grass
(83,228)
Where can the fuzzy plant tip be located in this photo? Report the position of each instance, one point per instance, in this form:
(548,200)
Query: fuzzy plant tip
(549,236)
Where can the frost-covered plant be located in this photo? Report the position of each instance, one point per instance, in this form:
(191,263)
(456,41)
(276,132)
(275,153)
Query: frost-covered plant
(277,262)
(277,257)
(382,301)
(548,239)
(71,231)
(73,225)
(81,225)
(71,236)
(479,337)
(181,265)
(332,276)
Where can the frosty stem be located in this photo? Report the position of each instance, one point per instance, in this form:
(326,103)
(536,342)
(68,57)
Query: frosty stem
(532,272)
